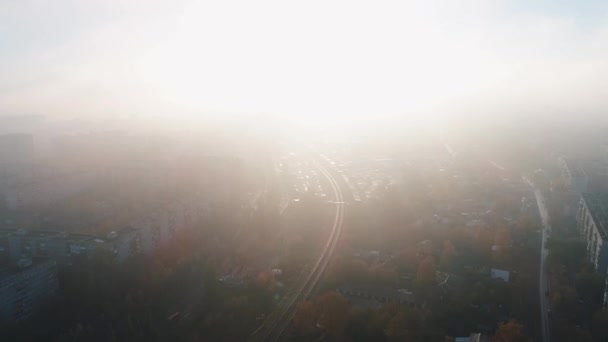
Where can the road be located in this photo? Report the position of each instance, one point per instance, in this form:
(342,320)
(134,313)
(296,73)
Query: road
(543,288)
(543,283)
(276,323)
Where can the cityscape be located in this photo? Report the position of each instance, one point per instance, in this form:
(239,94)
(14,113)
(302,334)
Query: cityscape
(281,171)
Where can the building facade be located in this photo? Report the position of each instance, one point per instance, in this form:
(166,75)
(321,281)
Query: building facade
(25,287)
(574,176)
(593,225)
(65,248)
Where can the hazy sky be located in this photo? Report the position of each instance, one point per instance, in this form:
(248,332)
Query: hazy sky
(323,58)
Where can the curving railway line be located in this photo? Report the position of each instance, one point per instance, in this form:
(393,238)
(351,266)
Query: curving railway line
(275,324)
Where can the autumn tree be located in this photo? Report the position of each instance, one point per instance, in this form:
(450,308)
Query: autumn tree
(447,254)
(305,318)
(236,306)
(525,223)
(406,260)
(564,299)
(425,275)
(599,325)
(333,312)
(264,280)
(483,238)
(397,328)
(502,238)
(510,331)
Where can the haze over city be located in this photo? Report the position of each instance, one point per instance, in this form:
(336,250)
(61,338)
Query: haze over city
(303,171)
(319,58)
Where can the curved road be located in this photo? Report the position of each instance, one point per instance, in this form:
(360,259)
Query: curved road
(543,287)
(276,323)
(543,282)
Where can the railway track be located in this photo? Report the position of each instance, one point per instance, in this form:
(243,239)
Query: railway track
(275,324)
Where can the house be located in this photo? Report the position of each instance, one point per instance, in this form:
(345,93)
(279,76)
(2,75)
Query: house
(376,296)
(499,274)
(474,337)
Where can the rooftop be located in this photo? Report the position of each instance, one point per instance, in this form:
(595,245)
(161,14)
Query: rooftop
(574,168)
(25,264)
(499,274)
(382,293)
(597,204)
(75,237)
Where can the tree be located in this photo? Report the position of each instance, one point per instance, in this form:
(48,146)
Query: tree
(397,328)
(590,288)
(333,309)
(305,318)
(236,306)
(382,276)
(502,238)
(447,254)
(264,280)
(565,300)
(510,331)
(406,260)
(425,276)
(362,326)
(525,223)
(599,326)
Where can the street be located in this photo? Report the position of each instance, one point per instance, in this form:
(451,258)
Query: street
(544,291)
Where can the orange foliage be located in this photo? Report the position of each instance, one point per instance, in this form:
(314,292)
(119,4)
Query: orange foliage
(426,271)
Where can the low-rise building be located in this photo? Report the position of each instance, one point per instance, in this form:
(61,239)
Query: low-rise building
(24,287)
(474,337)
(499,275)
(376,296)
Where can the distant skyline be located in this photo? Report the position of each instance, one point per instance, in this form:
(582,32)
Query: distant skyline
(323,58)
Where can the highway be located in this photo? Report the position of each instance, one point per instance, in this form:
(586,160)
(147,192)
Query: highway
(276,323)
(543,287)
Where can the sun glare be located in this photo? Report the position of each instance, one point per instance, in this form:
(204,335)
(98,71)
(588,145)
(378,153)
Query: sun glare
(293,59)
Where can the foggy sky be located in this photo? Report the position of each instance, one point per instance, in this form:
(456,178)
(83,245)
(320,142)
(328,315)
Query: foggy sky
(313,58)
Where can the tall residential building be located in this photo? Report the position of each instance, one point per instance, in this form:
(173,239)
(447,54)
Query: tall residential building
(25,287)
(593,224)
(67,249)
(574,176)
